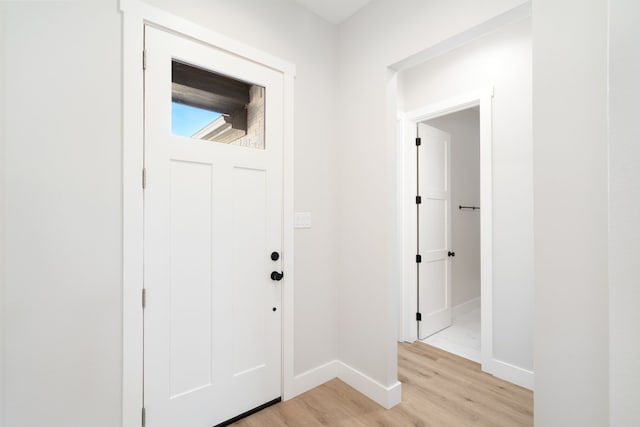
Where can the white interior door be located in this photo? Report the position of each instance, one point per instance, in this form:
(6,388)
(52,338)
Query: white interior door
(213,217)
(434,231)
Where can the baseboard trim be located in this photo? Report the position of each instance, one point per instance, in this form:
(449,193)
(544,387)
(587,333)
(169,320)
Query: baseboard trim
(466,307)
(315,377)
(387,397)
(508,372)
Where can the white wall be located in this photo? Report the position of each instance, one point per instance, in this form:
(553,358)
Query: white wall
(501,59)
(624,211)
(570,201)
(284,29)
(464,128)
(63,210)
(63,196)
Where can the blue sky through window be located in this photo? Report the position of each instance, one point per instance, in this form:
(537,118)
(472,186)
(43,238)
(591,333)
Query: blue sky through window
(187,120)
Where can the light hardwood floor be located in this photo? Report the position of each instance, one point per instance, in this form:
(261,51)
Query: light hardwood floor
(438,389)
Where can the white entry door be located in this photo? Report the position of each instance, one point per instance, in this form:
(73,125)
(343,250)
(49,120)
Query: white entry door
(213,218)
(434,231)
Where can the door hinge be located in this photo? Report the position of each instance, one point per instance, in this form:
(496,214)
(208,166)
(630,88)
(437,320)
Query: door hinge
(419,317)
(418,141)
(144,178)
(418,258)
(144,417)
(144,59)
(144,298)
(418,200)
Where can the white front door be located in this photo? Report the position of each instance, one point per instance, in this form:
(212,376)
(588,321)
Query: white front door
(213,217)
(434,231)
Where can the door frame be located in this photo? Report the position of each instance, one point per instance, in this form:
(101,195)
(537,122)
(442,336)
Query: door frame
(136,14)
(407,191)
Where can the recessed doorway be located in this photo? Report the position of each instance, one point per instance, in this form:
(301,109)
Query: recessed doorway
(435,204)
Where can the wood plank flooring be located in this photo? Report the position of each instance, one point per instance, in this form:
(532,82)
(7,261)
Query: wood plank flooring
(438,389)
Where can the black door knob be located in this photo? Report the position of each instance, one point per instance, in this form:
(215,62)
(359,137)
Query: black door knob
(276,276)
(275,256)
(451,253)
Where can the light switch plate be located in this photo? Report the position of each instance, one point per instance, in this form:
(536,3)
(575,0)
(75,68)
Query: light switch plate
(303,220)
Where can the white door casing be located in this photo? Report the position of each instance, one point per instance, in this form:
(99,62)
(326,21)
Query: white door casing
(434,231)
(213,215)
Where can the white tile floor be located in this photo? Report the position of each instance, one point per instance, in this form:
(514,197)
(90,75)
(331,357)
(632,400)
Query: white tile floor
(461,338)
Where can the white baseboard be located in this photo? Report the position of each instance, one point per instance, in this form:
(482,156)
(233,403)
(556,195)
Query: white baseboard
(315,377)
(508,372)
(466,307)
(387,397)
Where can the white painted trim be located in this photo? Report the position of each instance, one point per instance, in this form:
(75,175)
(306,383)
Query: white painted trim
(448,106)
(482,98)
(508,372)
(400,215)
(387,397)
(162,19)
(288,241)
(132,217)
(516,14)
(486,227)
(315,377)
(466,307)
(135,15)
(406,191)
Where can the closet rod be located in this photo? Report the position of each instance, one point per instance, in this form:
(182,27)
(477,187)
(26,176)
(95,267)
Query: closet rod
(469,207)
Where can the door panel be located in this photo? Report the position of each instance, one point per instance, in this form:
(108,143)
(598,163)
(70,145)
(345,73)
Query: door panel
(434,170)
(249,225)
(190,284)
(435,229)
(213,215)
(434,273)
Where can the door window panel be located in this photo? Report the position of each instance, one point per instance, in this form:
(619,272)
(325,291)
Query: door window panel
(212,107)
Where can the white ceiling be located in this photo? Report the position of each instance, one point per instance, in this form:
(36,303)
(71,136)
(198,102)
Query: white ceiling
(334,11)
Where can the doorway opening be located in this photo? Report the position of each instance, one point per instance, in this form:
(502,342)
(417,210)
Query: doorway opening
(449,222)
(447,225)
